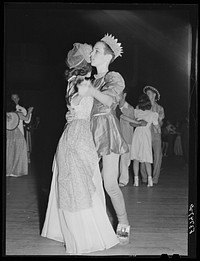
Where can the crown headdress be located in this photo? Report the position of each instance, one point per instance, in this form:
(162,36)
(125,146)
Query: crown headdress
(113,44)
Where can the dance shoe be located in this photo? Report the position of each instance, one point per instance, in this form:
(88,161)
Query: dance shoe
(123,233)
(122,184)
(150,182)
(136,181)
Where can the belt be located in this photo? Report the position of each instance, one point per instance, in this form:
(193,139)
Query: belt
(101,113)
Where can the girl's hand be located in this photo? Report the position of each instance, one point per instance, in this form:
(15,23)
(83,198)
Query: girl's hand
(142,123)
(70,108)
(70,115)
(85,88)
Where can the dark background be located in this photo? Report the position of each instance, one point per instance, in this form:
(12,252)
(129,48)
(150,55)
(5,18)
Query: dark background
(157,42)
(160,49)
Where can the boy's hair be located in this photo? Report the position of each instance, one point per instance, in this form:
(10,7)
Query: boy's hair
(108,50)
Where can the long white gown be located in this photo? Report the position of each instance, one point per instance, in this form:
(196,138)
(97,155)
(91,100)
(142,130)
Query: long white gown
(76,213)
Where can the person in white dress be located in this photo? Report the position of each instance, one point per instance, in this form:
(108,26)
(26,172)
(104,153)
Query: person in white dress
(76,213)
(141,147)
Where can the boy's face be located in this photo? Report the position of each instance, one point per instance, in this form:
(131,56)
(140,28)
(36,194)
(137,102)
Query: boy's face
(98,56)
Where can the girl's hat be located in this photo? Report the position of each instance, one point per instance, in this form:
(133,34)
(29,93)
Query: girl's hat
(151,88)
(78,54)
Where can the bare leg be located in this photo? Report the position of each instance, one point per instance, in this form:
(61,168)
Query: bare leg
(143,172)
(110,176)
(157,155)
(148,168)
(124,168)
(136,171)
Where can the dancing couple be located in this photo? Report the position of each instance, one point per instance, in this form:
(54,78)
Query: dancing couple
(76,213)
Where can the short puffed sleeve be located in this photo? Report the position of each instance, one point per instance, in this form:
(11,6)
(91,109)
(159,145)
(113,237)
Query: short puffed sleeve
(114,86)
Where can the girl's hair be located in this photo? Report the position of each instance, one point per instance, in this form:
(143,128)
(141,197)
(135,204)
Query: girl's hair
(108,50)
(82,70)
(144,102)
(78,71)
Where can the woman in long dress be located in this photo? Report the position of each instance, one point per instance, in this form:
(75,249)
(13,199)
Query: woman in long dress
(76,213)
(16,147)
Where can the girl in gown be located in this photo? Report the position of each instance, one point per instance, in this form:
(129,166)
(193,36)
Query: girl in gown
(76,213)
(141,148)
(16,147)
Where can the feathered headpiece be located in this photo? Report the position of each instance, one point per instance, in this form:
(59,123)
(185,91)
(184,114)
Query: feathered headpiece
(113,44)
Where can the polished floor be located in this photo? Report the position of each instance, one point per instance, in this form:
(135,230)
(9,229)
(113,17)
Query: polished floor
(158,215)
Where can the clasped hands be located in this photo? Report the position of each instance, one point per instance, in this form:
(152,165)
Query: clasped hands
(140,123)
(69,116)
(85,88)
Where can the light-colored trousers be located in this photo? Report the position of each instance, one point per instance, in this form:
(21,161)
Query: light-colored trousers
(125,161)
(157,159)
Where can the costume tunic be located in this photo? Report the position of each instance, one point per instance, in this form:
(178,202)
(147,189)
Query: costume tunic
(105,126)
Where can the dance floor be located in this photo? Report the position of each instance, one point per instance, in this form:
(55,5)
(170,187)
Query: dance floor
(158,216)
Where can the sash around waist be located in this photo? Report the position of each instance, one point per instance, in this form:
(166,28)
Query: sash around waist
(100,113)
(104,112)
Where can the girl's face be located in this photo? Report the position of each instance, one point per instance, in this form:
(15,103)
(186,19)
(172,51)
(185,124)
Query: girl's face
(98,56)
(151,95)
(15,98)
